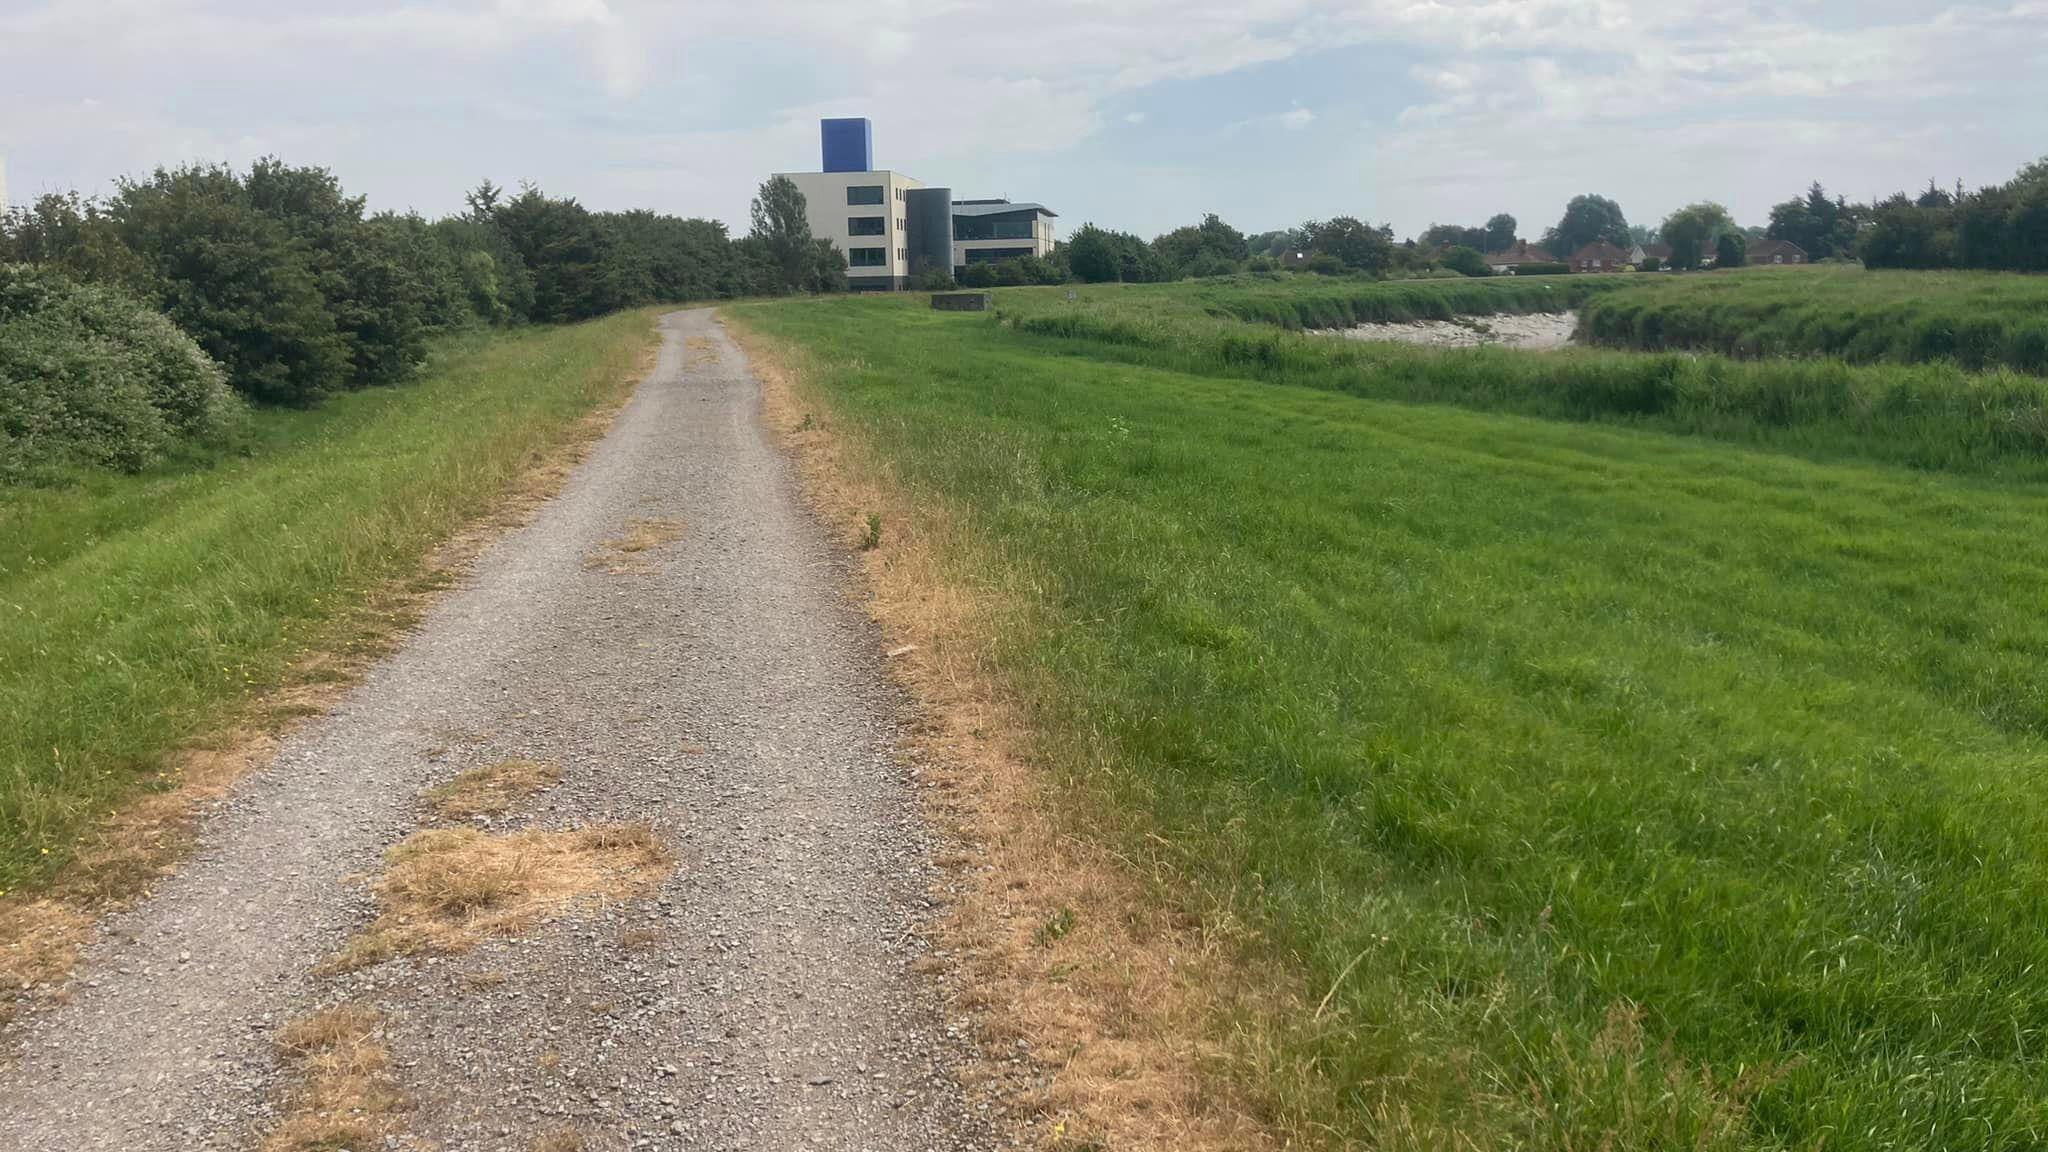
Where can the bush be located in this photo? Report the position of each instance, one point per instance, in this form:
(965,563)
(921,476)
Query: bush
(1543,270)
(1650,264)
(933,279)
(91,376)
(1466,262)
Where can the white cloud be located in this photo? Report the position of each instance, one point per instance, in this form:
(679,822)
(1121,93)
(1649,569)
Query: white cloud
(1503,91)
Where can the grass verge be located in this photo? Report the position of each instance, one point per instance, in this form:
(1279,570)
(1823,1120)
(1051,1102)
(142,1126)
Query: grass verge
(1574,786)
(164,629)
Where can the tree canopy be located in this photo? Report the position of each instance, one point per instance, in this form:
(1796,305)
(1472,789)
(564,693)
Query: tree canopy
(1693,230)
(1587,218)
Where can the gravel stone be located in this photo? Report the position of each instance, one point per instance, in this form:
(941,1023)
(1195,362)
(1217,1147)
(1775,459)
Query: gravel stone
(727,694)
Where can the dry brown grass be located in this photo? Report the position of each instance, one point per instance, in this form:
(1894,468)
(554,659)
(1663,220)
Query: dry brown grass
(343,1092)
(492,789)
(1059,942)
(140,841)
(39,941)
(699,350)
(626,553)
(444,889)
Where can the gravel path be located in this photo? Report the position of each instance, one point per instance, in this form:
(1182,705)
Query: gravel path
(765,997)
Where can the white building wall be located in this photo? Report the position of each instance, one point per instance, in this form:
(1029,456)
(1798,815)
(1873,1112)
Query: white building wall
(825,195)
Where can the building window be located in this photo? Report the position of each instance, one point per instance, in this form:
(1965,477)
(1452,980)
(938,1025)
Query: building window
(865,225)
(991,255)
(866,257)
(903,254)
(982,228)
(864,194)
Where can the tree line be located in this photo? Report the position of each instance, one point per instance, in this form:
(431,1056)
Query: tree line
(150,318)
(298,291)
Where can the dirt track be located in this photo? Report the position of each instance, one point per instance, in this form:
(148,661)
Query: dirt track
(718,688)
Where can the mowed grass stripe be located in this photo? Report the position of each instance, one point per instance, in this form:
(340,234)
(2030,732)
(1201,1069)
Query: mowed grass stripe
(1638,786)
(143,610)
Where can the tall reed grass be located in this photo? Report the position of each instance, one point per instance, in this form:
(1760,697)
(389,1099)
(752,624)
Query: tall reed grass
(1975,320)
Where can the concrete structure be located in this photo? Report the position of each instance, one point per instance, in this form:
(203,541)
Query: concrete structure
(891,227)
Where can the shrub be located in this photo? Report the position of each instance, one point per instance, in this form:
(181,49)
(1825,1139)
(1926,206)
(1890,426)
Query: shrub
(1650,264)
(1466,262)
(1543,270)
(91,376)
(935,278)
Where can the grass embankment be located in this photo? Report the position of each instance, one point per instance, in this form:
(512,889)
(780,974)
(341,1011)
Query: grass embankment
(1620,789)
(1975,319)
(1934,416)
(142,611)
(1296,302)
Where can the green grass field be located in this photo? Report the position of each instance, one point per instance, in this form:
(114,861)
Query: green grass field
(1932,416)
(1627,788)
(144,610)
(1974,319)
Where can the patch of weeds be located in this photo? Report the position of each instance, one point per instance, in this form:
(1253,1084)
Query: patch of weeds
(872,538)
(809,422)
(1056,926)
(444,889)
(491,789)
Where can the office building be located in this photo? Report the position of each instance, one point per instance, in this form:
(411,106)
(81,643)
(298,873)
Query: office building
(891,226)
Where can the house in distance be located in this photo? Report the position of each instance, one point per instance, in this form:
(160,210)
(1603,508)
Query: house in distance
(891,227)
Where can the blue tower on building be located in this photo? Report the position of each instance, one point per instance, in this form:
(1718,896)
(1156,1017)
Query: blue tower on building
(849,144)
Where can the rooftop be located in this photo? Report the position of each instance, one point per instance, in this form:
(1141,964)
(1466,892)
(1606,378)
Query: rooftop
(996,208)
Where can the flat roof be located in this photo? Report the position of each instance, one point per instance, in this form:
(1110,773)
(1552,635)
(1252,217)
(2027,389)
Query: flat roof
(996,208)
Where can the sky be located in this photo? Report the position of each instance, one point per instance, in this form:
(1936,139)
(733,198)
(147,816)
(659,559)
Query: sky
(1134,114)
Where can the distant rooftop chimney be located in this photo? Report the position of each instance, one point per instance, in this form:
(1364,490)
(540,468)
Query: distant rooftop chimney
(849,144)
